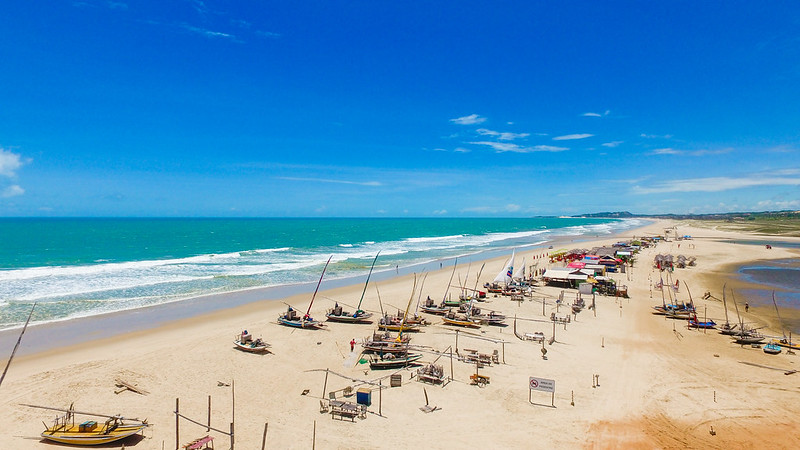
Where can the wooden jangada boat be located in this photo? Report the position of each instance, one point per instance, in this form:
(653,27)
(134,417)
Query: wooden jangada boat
(359,316)
(292,319)
(391,361)
(65,431)
(246,343)
(459,320)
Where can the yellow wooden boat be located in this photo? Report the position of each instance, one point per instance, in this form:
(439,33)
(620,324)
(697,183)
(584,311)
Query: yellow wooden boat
(66,430)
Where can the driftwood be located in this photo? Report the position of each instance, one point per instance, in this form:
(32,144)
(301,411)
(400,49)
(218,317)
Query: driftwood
(125,386)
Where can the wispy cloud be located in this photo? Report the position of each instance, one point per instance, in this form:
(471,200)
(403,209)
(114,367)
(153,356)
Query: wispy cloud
(570,137)
(471,119)
(10,162)
(325,180)
(501,147)
(440,212)
(656,136)
(12,191)
(612,144)
(701,152)
(785,204)
(594,114)
(717,184)
(208,33)
(502,135)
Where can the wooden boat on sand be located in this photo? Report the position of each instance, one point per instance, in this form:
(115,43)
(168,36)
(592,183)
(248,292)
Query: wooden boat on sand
(459,320)
(337,314)
(772,348)
(246,343)
(292,319)
(65,430)
(391,361)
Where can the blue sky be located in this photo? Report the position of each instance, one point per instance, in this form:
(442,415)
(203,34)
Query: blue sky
(371,108)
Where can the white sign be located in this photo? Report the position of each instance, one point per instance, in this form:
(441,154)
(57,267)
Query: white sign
(542,384)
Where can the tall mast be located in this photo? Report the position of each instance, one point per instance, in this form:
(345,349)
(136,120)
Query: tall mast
(318,283)
(358,308)
(783,332)
(455,263)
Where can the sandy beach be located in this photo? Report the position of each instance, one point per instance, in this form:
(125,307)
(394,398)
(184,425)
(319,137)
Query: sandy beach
(624,378)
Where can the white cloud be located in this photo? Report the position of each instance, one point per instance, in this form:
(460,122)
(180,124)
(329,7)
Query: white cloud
(655,136)
(512,207)
(9,163)
(325,180)
(570,137)
(503,136)
(462,150)
(471,119)
(702,152)
(717,184)
(612,144)
(769,204)
(207,33)
(12,191)
(501,147)
(666,151)
(591,114)
(440,212)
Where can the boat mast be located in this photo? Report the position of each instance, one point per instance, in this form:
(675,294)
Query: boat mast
(455,263)
(725,305)
(403,322)
(19,339)
(783,331)
(358,308)
(318,283)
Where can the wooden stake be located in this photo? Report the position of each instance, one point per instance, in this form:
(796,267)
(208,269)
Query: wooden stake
(208,428)
(231,435)
(325,385)
(314,437)
(177,426)
(264,437)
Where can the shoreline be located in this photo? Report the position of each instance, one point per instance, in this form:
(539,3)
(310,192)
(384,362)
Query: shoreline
(80,330)
(659,385)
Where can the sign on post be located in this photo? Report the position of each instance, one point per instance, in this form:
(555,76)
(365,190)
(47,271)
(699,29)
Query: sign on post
(544,385)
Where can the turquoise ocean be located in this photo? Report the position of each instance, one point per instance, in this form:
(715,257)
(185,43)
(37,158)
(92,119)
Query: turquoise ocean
(82,267)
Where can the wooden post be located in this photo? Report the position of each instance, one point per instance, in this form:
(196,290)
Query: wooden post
(456,342)
(231,435)
(264,437)
(314,437)
(177,424)
(325,385)
(543,306)
(451,364)
(233,403)
(554,331)
(504,351)
(208,428)
(380,397)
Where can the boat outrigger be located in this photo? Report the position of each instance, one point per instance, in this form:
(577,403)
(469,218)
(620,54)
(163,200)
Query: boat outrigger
(65,430)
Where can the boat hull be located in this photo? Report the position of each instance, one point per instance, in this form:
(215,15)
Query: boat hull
(394,363)
(349,318)
(310,324)
(250,347)
(72,435)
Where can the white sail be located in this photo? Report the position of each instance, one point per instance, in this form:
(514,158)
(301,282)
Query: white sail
(519,272)
(505,275)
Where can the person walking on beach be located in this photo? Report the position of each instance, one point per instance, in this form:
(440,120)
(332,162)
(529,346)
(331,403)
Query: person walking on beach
(746,307)
(352,344)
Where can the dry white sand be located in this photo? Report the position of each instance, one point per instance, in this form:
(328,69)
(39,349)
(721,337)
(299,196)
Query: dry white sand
(660,384)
